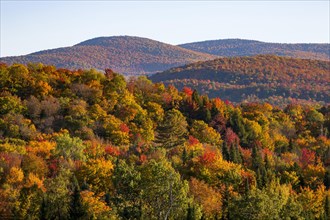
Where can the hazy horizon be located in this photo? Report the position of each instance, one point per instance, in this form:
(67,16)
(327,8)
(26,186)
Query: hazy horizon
(31,26)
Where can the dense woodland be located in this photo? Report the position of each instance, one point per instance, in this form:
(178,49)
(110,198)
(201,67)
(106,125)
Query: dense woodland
(239,47)
(89,145)
(276,80)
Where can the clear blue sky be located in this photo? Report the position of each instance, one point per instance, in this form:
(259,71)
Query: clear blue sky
(29,26)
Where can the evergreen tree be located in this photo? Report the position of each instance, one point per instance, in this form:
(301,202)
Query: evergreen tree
(233,154)
(197,99)
(193,212)
(225,151)
(247,187)
(264,177)
(256,159)
(225,204)
(327,207)
(173,130)
(184,156)
(327,179)
(259,178)
(237,124)
(238,153)
(267,163)
(208,115)
(42,211)
(77,211)
(291,146)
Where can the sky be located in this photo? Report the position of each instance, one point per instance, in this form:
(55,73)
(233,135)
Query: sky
(30,26)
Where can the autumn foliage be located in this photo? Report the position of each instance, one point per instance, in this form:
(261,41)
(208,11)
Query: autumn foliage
(87,145)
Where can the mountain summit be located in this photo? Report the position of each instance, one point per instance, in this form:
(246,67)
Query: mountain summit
(240,47)
(136,55)
(124,54)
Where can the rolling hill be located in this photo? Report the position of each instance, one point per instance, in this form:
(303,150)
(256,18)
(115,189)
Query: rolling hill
(239,47)
(136,55)
(124,54)
(278,80)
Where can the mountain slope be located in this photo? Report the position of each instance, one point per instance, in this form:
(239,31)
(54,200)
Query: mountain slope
(238,47)
(277,80)
(124,54)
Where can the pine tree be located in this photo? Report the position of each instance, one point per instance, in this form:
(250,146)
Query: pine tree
(247,187)
(42,211)
(77,211)
(225,204)
(327,179)
(173,130)
(259,178)
(190,215)
(290,147)
(327,207)
(257,162)
(208,116)
(233,154)
(267,163)
(237,124)
(225,151)
(197,99)
(238,153)
(264,177)
(184,156)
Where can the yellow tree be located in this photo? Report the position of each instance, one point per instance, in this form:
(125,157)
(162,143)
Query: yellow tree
(97,174)
(205,134)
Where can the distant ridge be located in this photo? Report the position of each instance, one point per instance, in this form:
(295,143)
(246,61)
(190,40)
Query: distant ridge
(274,79)
(240,47)
(124,54)
(136,55)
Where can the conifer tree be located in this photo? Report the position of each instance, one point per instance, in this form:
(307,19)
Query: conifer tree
(257,162)
(327,179)
(184,156)
(233,154)
(77,211)
(173,130)
(225,151)
(327,207)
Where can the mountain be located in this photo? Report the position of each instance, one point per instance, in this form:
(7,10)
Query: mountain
(238,47)
(136,55)
(274,79)
(124,54)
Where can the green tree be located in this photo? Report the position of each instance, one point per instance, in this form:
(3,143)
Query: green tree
(11,104)
(30,201)
(164,193)
(70,148)
(225,151)
(172,131)
(237,123)
(57,198)
(261,204)
(128,191)
(77,210)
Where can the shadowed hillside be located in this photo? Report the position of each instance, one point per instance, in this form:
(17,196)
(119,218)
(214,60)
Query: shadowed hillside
(238,47)
(274,79)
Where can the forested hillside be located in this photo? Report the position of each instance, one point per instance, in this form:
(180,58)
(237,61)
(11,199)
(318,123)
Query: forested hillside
(239,47)
(88,145)
(125,54)
(277,80)
(137,56)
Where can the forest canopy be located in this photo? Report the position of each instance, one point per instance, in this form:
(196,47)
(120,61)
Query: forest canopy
(91,145)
